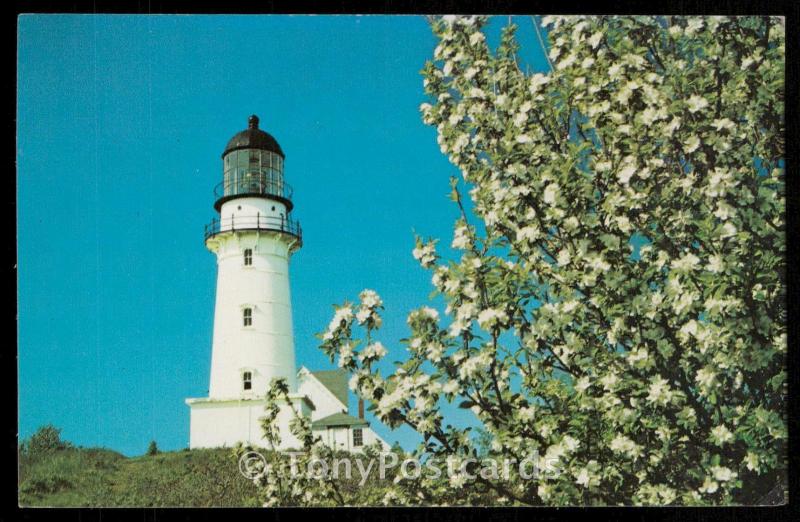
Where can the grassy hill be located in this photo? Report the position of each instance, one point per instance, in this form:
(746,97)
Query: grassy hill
(55,473)
(100,477)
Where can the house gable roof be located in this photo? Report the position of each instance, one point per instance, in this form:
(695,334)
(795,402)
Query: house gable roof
(339,419)
(336,382)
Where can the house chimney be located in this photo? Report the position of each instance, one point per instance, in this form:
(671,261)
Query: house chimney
(360,408)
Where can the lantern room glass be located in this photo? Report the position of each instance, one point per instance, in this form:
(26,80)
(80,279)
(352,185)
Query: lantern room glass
(252,171)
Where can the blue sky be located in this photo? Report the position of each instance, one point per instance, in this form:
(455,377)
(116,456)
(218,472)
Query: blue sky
(121,123)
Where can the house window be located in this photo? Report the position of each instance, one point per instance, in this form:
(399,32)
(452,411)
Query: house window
(248,256)
(247,315)
(358,437)
(247,380)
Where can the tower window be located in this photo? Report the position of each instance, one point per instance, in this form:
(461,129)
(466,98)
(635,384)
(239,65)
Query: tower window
(247,315)
(358,437)
(247,380)
(248,256)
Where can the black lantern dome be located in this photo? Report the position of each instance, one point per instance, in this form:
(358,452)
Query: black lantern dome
(253,138)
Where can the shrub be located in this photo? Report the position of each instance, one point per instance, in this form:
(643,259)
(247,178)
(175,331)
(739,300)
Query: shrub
(46,440)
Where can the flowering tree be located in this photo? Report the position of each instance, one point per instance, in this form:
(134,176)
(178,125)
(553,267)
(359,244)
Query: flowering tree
(617,301)
(278,476)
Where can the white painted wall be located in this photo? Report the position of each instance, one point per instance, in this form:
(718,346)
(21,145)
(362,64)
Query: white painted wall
(247,210)
(215,424)
(325,402)
(266,348)
(341,438)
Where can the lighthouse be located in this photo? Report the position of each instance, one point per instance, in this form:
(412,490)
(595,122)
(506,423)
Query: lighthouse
(253,238)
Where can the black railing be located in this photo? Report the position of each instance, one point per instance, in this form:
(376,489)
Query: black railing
(256,184)
(272,223)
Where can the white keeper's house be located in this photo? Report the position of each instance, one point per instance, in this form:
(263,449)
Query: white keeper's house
(253,239)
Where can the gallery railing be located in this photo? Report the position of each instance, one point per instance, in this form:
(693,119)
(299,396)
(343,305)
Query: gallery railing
(271,223)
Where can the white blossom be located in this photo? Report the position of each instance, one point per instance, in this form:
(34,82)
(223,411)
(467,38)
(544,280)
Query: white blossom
(691,144)
(461,238)
(594,40)
(626,174)
(490,317)
(722,473)
(550,193)
(709,486)
(693,25)
(537,80)
(659,391)
(426,254)
(721,435)
(696,103)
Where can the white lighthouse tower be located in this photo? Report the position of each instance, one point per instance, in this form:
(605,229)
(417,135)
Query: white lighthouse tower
(253,239)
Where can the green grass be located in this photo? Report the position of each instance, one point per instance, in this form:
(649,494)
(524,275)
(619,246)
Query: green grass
(100,477)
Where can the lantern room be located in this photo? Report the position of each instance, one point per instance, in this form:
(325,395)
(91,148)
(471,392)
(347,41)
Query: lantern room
(253,166)
(253,194)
